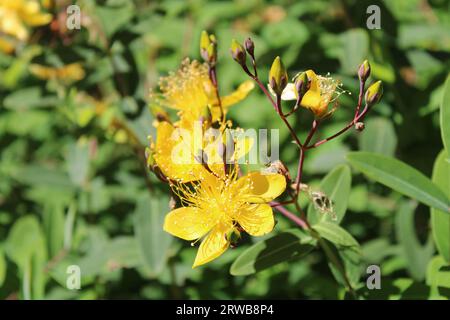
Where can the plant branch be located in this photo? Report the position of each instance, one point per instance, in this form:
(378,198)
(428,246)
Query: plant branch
(297,220)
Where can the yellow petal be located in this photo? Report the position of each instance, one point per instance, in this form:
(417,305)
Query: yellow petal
(189,223)
(238,95)
(174,157)
(260,188)
(214,244)
(243,146)
(227,101)
(311,100)
(257,219)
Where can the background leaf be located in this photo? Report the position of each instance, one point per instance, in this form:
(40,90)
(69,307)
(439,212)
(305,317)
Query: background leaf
(285,246)
(378,137)
(153,241)
(440,221)
(445,117)
(336,185)
(400,177)
(416,255)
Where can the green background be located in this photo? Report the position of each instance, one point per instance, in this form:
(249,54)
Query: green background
(75,190)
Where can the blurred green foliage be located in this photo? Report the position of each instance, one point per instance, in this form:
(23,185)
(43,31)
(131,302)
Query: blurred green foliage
(74,188)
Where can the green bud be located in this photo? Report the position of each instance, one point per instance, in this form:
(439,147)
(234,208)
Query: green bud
(149,158)
(374,93)
(208,47)
(364,71)
(302,83)
(238,52)
(278,77)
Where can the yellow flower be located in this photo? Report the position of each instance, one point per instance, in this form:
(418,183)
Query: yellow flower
(216,207)
(176,153)
(17,15)
(70,72)
(322,92)
(189,90)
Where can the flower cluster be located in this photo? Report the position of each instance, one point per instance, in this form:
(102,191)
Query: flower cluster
(216,201)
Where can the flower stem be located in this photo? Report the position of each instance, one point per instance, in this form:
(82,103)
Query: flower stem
(297,220)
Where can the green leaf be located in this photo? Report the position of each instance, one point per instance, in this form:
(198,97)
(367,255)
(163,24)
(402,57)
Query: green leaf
(28,98)
(416,255)
(120,252)
(438,277)
(26,247)
(53,227)
(440,221)
(355,44)
(2,267)
(78,163)
(336,185)
(113,18)
(400,177)
(445,117)
(335,234)
(153,241)
(290,244)
(346,247)
(378,137)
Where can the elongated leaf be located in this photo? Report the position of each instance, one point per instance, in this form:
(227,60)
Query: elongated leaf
(290,244)
(153,241)
(346,248)
(335,234)
(336,185)
(53,227)
(2,267)
(438,277)
(416,255)
(26,247)
(78,163)
(440,221)
(378,137)
(400,177)
(445,117)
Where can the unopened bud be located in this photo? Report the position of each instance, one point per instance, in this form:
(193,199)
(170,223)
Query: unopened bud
(278,77)
(238,52)
(364,71)
(250,46)
(374,93)
(149,158)
(302,83)
(359,126)
(208,47)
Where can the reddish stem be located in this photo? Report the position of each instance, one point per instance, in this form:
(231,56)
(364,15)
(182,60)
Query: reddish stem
(300,222)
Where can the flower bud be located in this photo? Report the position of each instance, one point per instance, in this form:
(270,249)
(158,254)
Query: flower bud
(302,83)
(250,46)
(238,52)
(374,93)
(208,47)
(278,77)
(364,71)
(149,158)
